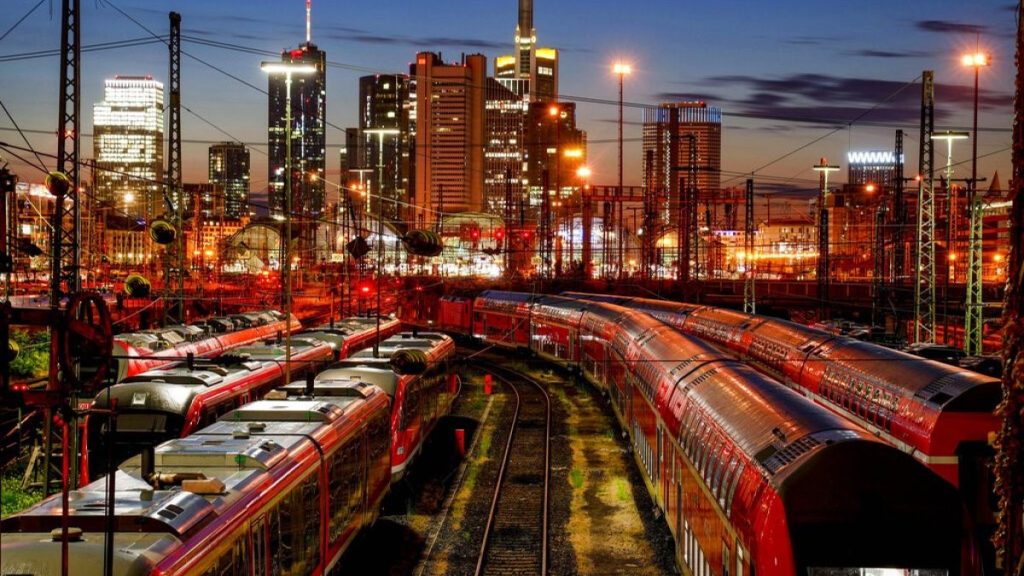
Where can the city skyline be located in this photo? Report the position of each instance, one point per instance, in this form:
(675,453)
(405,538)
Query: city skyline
(796,73)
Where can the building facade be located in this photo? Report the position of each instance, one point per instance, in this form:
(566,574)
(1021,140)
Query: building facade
(229,169)
(385,134)
(876,167)
(309,120)
(449,147)
(504,151)
(666,146)
(128,146)
(555,150)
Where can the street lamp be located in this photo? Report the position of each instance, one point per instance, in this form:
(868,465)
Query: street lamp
(621,69)
(974,304)
(288,69)
(824,169)
(949,136)
(583,173)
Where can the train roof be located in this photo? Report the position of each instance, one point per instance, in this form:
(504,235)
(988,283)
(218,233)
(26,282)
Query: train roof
(334,388)
(137,508)
(379,374)
(523,297)
(949,387)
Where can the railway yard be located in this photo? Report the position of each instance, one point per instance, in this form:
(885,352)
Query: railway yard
(601,519)
(519,434)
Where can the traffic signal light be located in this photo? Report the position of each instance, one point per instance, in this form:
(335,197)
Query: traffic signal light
(365,288)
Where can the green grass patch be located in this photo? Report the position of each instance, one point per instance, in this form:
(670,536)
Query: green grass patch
(622,490)
(576,478)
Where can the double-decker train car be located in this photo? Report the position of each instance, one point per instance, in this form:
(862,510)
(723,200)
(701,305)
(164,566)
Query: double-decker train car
(174,401)
(353,334)
(274,487)
(419,396)
(942,415)
(137,352)
(752,477)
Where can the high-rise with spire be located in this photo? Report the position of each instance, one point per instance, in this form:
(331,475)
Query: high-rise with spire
(531,72)
(309,116)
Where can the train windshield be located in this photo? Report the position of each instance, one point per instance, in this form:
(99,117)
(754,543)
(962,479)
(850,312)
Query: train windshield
(875,572)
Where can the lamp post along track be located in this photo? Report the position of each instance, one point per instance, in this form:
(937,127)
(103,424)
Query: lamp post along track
(516,533)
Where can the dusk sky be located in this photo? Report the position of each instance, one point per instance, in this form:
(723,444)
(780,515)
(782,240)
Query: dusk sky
(762,62)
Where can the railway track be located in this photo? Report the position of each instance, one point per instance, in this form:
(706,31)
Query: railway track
(515,539)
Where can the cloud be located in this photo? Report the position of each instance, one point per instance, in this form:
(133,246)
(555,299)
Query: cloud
(810,40)
(946,26)
(838,100)
(361,36)
(868,53)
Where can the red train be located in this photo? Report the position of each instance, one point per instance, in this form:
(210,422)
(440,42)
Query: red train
(752,477)
(942,415)
(181,397)
(274,487)
(137,352)
(419,397)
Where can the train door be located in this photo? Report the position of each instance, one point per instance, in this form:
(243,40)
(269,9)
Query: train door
(260,558)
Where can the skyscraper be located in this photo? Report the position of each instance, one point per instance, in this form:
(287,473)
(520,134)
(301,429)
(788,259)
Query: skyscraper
(384,127)
(449,136)
(128,133)
(667,131)
(229,171)
(555,149)
(505,148)
(531,72)
(309,116)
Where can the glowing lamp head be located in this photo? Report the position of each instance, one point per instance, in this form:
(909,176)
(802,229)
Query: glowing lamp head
(583,172)
(976,60)
(622,69)
(553,111)
(869,188)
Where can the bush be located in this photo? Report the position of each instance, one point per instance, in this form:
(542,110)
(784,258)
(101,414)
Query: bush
(34,359)
(14,499)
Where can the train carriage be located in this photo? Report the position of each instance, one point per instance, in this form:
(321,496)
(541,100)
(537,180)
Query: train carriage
(275,487)
(941,415)
(174,401)
(503,318)
(137,352)
(755,478)
(419,397)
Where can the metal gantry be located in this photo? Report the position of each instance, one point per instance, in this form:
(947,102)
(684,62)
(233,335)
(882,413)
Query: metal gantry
(749,288)
(174,266)
(823,168)
(975,301)
(924,286)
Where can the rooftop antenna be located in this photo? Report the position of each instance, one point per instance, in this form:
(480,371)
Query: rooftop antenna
(309,10)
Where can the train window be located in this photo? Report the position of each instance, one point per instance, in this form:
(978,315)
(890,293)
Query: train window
(686,542)
(739,558)
(259,546)
(732,486)
(311,520)
(725,558)
(716,484)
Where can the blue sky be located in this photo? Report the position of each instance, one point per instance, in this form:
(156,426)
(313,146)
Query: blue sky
(763,62)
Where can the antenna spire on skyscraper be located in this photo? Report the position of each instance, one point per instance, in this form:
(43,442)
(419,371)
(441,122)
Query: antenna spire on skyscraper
(525,17)
(309,10)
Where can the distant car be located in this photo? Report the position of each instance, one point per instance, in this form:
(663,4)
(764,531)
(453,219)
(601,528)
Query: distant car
(942,353)
(988,365)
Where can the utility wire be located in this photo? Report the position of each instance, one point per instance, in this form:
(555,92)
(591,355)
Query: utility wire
(23,136)
(22,19)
